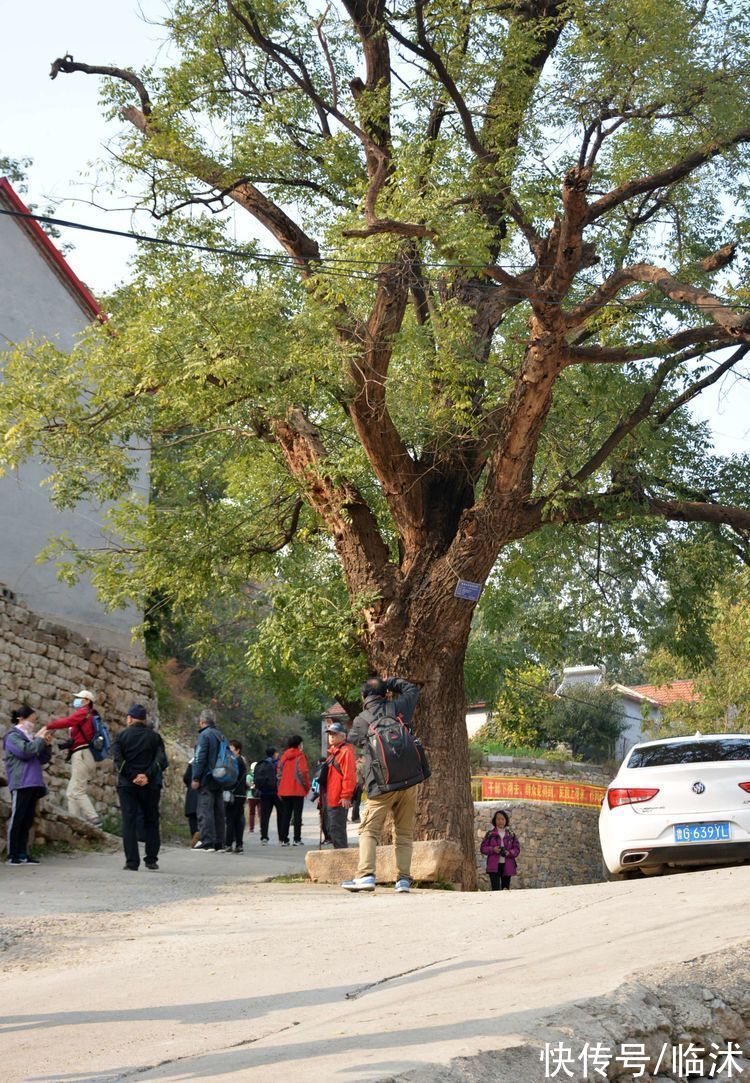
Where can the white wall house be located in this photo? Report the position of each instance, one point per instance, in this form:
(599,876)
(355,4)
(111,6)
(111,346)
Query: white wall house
(40,295)
(476,716)
(641,704)
(633,704)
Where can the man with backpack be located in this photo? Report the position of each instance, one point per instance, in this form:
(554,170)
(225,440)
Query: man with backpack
(210,791)
(82,763)
(140,761)
(266,787)
(394,765)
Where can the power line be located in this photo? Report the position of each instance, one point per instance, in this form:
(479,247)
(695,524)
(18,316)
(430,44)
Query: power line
(596,709)
(273,259)
(237,253)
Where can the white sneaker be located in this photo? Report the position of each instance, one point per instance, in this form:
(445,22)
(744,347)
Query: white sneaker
(403,886)
(360,883)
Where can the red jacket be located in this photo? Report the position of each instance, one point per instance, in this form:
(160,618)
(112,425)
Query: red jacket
(80,725)
(342,774)
(293,773)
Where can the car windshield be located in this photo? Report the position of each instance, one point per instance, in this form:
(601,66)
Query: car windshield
(734,748)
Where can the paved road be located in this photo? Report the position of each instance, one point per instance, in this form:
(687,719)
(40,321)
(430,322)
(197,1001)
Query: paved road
(204,972)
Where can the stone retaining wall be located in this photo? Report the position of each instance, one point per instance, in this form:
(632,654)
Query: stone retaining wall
(44,664)
(559,843)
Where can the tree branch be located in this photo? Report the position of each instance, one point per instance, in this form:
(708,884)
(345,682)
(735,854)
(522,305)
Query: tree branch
(700,385)
(390,458)
(364,554)
(67,65)
(603,507)
(626,426)
(389,225)
(290,236)
(709,334)
(645,272)
(665,177)
(368,17)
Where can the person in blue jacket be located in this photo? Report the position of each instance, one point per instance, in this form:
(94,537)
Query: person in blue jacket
(26,751)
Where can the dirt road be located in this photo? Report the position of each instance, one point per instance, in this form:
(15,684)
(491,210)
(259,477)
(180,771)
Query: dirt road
(203,972)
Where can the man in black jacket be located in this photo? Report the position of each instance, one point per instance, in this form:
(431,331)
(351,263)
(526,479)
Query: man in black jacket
(211,823)
(140,759)
(402,803)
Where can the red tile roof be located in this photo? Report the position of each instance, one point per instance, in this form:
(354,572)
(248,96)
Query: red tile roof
(50,253)
(663,694)
(335,711)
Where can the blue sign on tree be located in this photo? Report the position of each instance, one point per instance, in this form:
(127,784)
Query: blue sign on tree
(468,590)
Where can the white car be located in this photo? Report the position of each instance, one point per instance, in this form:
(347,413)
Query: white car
(678,802)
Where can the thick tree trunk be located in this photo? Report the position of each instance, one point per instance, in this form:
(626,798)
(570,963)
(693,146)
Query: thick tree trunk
(445,808)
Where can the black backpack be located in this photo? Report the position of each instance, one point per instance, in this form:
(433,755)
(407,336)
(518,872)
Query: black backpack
(264,776)
(397,758)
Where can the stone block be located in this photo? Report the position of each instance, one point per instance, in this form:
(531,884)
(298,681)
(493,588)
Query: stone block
(437,859)
(55,831)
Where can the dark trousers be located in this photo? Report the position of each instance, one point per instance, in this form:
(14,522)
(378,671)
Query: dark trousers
(291,811)
(22,809)
(192,819)
(499,881)
(356,803)
(266,804)
(252,808)
(235,813)
(135,800)
(211,817)
(336,820)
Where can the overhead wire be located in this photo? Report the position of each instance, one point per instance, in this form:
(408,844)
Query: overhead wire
(283,261)
(548,694)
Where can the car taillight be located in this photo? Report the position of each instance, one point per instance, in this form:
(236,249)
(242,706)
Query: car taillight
(629,796)
(745,786)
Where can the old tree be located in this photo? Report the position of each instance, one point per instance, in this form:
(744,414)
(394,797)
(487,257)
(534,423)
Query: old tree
(509,242)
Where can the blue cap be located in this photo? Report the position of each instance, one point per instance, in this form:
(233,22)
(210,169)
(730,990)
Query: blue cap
(336,727)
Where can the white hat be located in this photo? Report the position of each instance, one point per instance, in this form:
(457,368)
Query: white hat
(85,694)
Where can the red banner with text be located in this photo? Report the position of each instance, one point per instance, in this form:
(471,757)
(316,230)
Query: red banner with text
(497,788)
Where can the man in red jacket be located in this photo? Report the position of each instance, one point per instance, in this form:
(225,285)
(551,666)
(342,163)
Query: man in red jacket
(82,763)
(341,780)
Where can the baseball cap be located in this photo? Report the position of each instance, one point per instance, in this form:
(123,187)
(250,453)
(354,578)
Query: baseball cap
(85,694)
(336,727)
(138,711)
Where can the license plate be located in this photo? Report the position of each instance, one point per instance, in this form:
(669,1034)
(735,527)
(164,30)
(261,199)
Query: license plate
(713,832)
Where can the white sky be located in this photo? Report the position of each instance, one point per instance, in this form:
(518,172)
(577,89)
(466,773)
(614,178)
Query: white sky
(60,125)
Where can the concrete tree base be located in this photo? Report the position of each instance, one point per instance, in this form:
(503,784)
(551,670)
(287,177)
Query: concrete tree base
(435,860)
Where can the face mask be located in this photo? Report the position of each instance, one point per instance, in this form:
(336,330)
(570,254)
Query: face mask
(78,702)
(27,725)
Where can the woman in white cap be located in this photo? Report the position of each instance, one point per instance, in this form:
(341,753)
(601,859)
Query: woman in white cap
(82,763)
